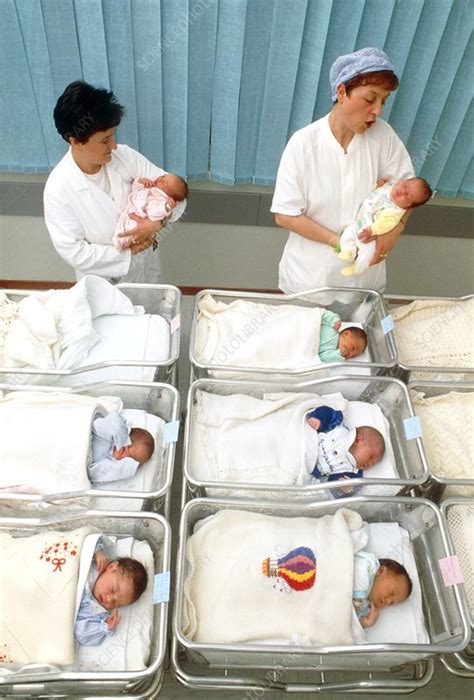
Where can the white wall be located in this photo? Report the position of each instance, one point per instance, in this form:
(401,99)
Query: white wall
(242,257)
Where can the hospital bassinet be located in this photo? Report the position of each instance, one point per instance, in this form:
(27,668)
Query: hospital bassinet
(361,306)
(42,681)
(459,516)
(389,394)
(437,484)
(111,358)
(429,337)
(159,403)
(293,668)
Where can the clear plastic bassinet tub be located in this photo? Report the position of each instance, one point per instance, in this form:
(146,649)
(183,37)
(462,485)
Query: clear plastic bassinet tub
(149,405)
(445,410)
(422,335)
(364,307)
(459,515)
(438,610)
(383,402)
(153,532)
(134,348)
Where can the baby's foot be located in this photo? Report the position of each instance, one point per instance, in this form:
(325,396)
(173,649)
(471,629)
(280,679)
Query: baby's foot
(348,271)
(346,254)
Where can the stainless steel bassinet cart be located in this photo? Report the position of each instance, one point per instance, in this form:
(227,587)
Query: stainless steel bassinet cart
(357,305)
(389,394)
(292,668)
(438,485)
(411,372)
(147,364)
(459,515)
(36,680)
(161,403)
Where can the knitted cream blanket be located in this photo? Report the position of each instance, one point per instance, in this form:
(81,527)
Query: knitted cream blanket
(435,333)
(38,580)
(253,576)
(448,436)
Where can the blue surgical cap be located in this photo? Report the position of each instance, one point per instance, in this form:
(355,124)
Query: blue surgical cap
(348,66)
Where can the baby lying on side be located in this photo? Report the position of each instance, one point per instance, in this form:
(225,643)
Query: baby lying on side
(377,584)
(343,453)
(109,586)
(335,346)
(116,450)
(153,199)
(379,213)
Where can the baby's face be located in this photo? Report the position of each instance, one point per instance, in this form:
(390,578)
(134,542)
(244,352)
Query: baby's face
(136,451)
(169,183)
(350,345)
(406,193)
(113,588)
(366,452)
(388,589)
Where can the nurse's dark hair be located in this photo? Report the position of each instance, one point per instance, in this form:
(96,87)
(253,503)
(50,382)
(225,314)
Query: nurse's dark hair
(397,569)
(83,109)
(385,79)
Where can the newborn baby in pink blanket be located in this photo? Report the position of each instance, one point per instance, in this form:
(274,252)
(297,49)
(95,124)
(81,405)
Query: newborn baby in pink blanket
(152,199)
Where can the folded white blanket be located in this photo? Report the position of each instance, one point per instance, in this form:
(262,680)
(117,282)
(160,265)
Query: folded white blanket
(432,333)
(246,334)
(448,438)
(45,440)
(38,580)
(230,437)
(253,576)
(53,329)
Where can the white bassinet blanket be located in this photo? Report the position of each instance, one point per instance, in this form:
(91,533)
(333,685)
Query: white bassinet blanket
(246,334)
(230,437)
(53,329)
(435,333)
(38,580)
(45,439)
(253,576)
(448,436)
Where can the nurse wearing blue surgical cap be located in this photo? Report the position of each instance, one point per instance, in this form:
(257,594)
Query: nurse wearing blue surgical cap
(330,166)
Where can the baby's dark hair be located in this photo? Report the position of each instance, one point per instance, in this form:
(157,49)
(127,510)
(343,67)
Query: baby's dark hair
(358,333)
(372,433)
(181,191)
(140,436)
(426,191)
(397,569)
(136,572)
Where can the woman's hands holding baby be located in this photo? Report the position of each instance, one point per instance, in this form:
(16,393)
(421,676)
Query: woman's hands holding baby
(143,235)
(113,620)
(371,617)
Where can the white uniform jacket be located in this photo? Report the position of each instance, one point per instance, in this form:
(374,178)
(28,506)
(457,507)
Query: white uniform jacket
(81,217)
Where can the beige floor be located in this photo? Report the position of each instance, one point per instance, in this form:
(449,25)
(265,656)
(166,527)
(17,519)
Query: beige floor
(443,685)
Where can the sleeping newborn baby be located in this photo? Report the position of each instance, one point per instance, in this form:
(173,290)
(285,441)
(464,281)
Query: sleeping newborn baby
(343,453)
(335,346)
(116,450)
(377,584)
(109,585)
(153,199)
(379,213)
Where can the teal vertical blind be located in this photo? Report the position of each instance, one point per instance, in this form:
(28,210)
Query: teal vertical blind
(215,88)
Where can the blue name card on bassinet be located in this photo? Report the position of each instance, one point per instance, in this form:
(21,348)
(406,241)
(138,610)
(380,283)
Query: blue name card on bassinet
(412,428)
(161,587)
(171,432)
(387,324)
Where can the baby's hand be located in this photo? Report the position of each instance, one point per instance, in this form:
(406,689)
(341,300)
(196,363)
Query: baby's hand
(113,620)
(365,235)
(371,618)
(146,182)
(100,561)
(337,325)
(314,423)
(381,181)
(347,490)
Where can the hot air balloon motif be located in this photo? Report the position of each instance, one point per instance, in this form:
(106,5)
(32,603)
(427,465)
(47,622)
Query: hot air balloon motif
(297,568)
